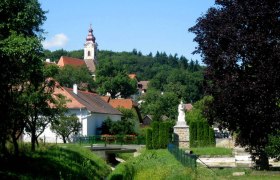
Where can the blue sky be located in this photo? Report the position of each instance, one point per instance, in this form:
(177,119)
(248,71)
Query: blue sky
(122,25)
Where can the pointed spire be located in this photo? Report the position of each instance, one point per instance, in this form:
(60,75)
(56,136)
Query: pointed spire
(90,36)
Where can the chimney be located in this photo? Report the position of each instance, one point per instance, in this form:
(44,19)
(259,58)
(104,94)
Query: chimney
(48,60)
(75,88)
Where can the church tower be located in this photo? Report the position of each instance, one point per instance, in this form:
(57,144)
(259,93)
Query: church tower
(90,51)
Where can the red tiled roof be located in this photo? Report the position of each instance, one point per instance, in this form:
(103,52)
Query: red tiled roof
(71,103)
(124,103)
(64,60)
(91,101)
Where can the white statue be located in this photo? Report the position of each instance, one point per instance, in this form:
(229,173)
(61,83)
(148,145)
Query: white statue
(181,115)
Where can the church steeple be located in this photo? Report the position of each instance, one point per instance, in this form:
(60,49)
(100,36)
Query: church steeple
(90,36)
(90,50)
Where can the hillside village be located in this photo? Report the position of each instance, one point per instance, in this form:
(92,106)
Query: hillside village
(92,113)
(91,108)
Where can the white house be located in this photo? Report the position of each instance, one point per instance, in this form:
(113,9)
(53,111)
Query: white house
(89,107)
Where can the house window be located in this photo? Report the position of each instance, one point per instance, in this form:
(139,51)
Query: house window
(88,53)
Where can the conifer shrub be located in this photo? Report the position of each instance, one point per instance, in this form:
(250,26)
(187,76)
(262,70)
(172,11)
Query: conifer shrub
(200,133)
(167,134)
(149,139)
(212,140)
(205,128)
(162,135)
(158,137)
(193,133)
(155,139)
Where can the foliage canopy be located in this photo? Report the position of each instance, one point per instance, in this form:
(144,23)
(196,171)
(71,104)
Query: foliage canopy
(239,43)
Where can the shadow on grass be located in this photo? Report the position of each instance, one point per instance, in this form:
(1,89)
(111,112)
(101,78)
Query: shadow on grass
(54,163)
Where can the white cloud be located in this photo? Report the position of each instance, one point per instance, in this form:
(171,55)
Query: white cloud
(59,40)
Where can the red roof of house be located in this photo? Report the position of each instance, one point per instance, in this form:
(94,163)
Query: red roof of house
(124,103)
(91,101)
(64,60)
(72,103)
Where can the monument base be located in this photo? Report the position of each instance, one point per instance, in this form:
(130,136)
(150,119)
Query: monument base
(181,135)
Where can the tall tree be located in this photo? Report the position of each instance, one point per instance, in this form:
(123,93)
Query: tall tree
(114,80)
(240,43)
(20,53)
(158,104)
(42,108)
(69,75)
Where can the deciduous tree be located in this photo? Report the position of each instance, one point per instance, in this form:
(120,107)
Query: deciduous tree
(114,80)
(239,42)
(20,54)
(66,125)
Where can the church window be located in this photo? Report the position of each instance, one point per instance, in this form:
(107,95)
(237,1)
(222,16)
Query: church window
(88,53)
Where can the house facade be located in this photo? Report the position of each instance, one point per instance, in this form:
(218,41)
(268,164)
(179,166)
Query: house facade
(90,109)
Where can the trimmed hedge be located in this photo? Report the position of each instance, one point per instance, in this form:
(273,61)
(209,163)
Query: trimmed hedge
(155,140)
(158,137)
(201,134)
(149,139)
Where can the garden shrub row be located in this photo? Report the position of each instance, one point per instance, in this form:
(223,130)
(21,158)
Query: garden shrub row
(201,134)
(158,136)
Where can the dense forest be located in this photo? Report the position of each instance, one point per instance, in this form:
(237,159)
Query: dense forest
(166,73)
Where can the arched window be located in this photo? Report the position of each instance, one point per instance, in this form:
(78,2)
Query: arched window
(88,53)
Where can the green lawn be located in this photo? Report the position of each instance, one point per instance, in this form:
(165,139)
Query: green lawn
(55,162)
(161,165)
(227,173)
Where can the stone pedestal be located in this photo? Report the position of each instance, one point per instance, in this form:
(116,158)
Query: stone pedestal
(181,135)
(181,130)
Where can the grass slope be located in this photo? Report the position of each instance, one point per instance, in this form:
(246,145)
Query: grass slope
(54,162)
(152,164)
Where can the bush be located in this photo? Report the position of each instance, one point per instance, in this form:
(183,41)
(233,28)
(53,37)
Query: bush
(273,146)
(199,126)
(159,136)
(193,134)
(149,139)
(155,139)
(201,134)
(205,128)
(162,137)
(212,140)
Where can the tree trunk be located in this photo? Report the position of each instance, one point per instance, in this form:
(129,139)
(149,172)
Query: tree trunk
(33,139)
(3,148)
(64,139)
(15,143)
(263,163)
